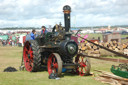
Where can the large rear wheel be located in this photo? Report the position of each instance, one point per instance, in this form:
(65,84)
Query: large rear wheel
(31,56)
(54,64)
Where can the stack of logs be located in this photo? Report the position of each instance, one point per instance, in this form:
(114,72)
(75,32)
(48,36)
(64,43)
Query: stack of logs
(92,50)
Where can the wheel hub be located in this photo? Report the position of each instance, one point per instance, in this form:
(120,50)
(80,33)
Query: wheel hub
(54,64)
(82,64)
(28,56)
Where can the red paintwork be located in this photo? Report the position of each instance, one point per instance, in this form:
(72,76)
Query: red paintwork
(28,62)
(94,40)
(24,38)
(75,39)
(52,64)
(82,65)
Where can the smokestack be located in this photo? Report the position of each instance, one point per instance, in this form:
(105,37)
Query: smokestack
(67,10)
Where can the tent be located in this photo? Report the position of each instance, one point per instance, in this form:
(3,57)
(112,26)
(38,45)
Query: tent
(13,38)
(4,37)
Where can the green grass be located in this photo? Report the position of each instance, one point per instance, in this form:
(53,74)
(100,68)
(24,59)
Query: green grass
(96,35)
(123,36)
(11,56)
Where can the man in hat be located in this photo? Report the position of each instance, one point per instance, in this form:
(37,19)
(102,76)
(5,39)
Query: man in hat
(43,31)
(33,34)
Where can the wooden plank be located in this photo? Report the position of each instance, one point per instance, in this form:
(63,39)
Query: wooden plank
(110,75)
(108,80)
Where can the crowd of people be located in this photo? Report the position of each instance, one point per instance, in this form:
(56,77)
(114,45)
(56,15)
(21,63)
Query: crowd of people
(9,42)
(12,42)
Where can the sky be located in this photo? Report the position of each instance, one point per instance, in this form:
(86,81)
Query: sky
(35,13)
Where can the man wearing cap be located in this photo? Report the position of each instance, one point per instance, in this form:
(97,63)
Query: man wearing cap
(43,31)
(33,34)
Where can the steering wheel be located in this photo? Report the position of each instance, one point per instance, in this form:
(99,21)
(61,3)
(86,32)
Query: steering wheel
(57,28)
(59,31)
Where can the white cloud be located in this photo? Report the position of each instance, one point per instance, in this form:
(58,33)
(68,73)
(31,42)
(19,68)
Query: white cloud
(49,12)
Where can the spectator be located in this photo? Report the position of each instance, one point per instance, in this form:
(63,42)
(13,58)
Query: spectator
(33,34)
(43,31)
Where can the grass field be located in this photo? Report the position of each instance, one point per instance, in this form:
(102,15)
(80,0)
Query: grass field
(11,56)
(96,35)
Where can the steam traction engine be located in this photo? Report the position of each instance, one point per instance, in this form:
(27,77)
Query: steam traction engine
(55,50)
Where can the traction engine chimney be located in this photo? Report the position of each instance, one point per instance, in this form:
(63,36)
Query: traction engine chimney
(67,10)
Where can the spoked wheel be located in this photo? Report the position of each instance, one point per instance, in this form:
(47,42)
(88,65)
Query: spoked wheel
(31,56)
(84,65)
(54,64)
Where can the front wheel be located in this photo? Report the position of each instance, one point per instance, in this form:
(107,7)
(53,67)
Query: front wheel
(54,64)
(84,65)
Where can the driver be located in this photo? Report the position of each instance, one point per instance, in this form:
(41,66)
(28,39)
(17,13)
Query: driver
(33,33)
(43,31)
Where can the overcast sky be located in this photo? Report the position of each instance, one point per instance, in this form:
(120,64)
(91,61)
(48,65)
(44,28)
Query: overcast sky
(35,13)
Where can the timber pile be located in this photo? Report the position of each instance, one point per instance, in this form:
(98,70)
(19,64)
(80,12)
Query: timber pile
(89,49)
(106,77)
(92,50)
